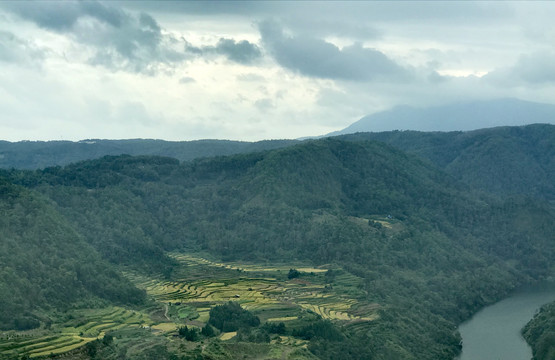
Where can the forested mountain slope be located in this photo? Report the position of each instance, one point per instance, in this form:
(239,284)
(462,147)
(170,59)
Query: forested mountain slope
(504,160)
(431,251)
(540,333)
(46,265)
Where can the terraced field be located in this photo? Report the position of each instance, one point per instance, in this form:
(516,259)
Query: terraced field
(83,327)
(198,285)
(257,288)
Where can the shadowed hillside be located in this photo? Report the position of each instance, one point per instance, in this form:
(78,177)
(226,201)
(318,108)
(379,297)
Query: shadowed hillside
(46,264)
(505,160)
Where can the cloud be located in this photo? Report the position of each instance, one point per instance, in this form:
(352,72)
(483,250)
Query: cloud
(186,80)
(120,40)
(250,77)
(264,104)
(242,52)
(317,58)
(62,16)
(530,69)
(332,11)
(19,51)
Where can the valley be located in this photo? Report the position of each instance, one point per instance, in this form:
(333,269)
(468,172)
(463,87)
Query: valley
(360,250)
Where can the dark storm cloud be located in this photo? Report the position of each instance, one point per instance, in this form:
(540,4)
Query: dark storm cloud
(318,58)
(19,51)
(531,69)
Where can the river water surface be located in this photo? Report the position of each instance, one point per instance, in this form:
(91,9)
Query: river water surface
(494,332)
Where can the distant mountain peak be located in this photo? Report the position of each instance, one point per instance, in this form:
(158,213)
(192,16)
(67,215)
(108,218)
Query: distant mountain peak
(462,116)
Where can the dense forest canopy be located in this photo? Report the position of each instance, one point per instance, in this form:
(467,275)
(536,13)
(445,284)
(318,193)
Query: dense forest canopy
(46,264)
(503,160)
(540,333)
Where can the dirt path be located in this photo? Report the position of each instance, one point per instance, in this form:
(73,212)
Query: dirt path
(166,311)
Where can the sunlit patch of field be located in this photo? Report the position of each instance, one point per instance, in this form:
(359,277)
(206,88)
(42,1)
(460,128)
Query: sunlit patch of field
(189,259)
(228,335)
(11,349)
(204,316)
(165,327)
(283,318)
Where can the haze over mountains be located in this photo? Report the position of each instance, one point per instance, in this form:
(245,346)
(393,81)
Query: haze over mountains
(455,117)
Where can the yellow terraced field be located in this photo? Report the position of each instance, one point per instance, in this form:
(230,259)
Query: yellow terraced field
(166,327)
(228,335)
(243,267)
(256,294)
(284,318)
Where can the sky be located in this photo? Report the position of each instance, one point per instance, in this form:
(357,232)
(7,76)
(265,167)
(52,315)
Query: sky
(182,70)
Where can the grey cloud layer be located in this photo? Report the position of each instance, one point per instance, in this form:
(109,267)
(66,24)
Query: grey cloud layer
(16,50)
(318,58)
(532,69)
(348,11)
(62,16)
(122,40)
(243,52)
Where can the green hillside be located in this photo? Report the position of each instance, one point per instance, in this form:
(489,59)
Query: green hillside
(46,264)
(504,160)
(428,250)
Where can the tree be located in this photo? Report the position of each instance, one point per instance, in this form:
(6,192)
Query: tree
(293,273)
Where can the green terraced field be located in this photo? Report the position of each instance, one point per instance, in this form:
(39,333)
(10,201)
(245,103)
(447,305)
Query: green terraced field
(257,288)
(85,326)
(199,285)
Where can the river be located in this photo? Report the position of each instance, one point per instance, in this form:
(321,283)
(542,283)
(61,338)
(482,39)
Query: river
(494,332)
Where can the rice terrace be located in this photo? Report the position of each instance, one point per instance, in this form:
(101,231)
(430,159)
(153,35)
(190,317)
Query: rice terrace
(290,294)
